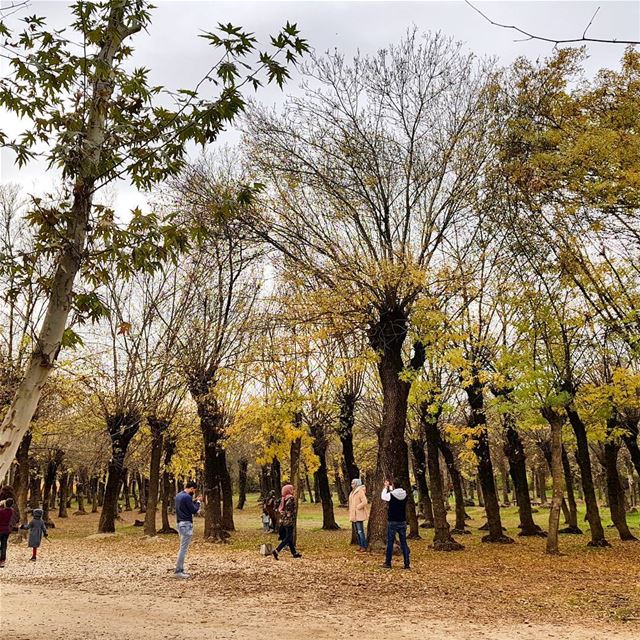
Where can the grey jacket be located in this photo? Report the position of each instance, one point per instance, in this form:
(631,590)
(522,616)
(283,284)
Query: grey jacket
(37,528)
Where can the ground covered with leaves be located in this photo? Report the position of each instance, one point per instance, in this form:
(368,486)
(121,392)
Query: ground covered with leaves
(86,586)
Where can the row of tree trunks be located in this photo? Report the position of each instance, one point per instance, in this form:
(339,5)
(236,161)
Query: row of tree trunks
(122,426)
(572,509)
(456,481)
(320,445)
(168,485)
(66,479)
(478,423)
(555,421)
(425,506)
(243,466)
(615,491)
(387,337)
(514,451)
(584,462)
(158,426)
(442,538)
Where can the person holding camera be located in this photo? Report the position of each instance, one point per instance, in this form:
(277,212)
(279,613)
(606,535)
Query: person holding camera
(396,496)
(186,508)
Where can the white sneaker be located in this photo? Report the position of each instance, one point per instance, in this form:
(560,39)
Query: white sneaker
(182,575)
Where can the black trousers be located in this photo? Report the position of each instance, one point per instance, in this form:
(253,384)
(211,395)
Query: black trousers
(286,536)
(4,537)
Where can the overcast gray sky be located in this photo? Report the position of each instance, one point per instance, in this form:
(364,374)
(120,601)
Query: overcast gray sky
(178,58)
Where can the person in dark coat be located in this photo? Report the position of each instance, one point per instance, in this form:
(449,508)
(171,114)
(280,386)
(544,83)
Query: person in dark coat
(396,497)
(37,529)
(6,493)
(287,511)
(7,517)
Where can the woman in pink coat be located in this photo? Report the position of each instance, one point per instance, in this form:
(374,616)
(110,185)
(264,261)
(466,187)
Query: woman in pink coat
(358,511)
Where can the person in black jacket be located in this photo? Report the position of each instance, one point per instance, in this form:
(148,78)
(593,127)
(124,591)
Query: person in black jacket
(396,521)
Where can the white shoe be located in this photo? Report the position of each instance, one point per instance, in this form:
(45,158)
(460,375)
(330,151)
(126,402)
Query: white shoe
(182,575)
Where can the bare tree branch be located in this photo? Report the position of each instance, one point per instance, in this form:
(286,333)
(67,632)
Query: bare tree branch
(556,41)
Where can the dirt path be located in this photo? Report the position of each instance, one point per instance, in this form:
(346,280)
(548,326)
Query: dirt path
(33,611)
(87,587)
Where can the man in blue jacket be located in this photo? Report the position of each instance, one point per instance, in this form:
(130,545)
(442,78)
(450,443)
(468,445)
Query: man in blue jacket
(186,508)
(396,521)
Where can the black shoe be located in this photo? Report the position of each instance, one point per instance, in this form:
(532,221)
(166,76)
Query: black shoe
(297,555)
(407,567)
(274,553)
(386,566)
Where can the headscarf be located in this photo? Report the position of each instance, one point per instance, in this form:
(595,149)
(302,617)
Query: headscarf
(287,491)
(356,482)
(38,513)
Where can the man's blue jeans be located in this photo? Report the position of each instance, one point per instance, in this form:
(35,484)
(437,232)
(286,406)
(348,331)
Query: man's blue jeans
(401,529)
(362,538)
(185,529)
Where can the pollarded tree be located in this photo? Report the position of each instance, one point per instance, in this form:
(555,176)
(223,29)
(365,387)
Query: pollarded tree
(219,283)
(569,165)
(164,389)
(119,381)
(365,173)
(87,114)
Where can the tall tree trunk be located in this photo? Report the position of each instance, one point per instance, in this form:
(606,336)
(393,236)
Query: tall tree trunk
(420,472)
(134,493)
(308,481)
(478,422)
(586,475)
(226,487)
(64,490)
(615,491)
(143,492)
(167,485)
(81,489)
(387,337)
(265,482)
(541,479)
(514,450)
(53,497)
(572,520)
(121,427)
(70,495)
(442,538)
(456,481)
(342,497)
(158,426)
(85,166)
(276,476)
(243,466)
(556,422)
(347,399)
(320,444)
(126,489)
(94,494)
(630,439)
(294,465)
(22,489)
(49,482)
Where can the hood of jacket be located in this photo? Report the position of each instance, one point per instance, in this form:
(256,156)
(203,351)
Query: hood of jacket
(399,494)
(37,513)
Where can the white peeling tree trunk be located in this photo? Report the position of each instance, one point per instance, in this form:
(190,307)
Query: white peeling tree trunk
(18,417)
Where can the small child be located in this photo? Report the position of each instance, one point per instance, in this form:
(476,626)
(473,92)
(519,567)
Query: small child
(37,528)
